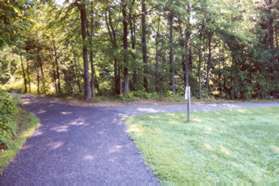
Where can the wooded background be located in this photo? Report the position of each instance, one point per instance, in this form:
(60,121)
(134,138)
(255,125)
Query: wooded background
(227,48)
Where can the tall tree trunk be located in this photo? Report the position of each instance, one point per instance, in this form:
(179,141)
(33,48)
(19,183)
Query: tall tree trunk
(38,80)
(91,35)
(276,38)
(199,73)
(57,70)
(171,62)
(157,59)
(116,65)
(270,28)
(23,74)
(83,22)
(28,72)
(125,46)
(221,63)
(183,40)
(53,71)
(28,75)
(42,77)
(188,57)
(208,68)
(132,26)
(144,45)
(188,49)
(76,70)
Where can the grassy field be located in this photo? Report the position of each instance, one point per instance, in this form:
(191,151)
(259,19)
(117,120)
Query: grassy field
(223,147)
(27,124)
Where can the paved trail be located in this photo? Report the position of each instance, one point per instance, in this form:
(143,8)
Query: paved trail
(87,145)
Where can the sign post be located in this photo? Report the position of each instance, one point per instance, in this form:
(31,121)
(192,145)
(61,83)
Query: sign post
(188,98)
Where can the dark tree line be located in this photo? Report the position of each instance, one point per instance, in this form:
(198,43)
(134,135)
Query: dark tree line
(91,47)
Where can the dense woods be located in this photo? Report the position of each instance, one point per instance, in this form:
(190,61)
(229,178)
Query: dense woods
(222,48)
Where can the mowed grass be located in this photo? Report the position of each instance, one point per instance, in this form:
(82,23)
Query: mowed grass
(217,147)
(27,124)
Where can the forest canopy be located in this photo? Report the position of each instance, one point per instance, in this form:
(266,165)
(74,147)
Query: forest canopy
(223,48)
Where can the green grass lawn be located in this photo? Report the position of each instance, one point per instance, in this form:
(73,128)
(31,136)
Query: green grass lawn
(27,124)
(231,146)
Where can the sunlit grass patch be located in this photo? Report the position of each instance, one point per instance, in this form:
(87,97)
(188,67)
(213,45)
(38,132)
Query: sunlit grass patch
(231,146)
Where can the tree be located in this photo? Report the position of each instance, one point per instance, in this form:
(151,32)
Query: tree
(143,43)
(84,33)
(125,46)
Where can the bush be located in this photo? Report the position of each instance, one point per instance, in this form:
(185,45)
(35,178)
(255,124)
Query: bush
(138,95)
(8,115)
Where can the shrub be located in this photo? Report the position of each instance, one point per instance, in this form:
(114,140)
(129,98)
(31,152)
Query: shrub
(8,115)
(138,95)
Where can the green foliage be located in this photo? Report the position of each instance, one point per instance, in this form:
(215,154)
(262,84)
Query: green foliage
(232,47)
(138,95)
(27,124)
(231,147)
(8,115)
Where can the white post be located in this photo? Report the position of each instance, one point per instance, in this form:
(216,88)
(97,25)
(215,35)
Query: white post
(188,98)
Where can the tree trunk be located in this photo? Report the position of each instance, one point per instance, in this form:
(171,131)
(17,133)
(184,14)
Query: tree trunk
(23,74)
(91,35)
(76,69)
(42,77)
(83,22)
(28,75)
(125,47)
(144,45)
(171,62)
(188,58)
(270,38)
(157,59)
(208,68)
(38,80)
(53,70)
(57,71)
(116,65)
(132,25)
(276,38)
(199,73)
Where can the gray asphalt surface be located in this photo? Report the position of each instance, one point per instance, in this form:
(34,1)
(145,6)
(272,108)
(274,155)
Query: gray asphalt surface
(88,145)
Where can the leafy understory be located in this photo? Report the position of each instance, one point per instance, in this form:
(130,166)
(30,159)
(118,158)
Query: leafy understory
(231,146)
(26,126)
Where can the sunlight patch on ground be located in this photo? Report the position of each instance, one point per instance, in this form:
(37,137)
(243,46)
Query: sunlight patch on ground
(275,149)
(41,111)
(66,113)
(208,146)
(88,157)
(225,150)
(25,147)
(148,110)
(78,122)
(115,149)
(123,116)
(62,128)
(26,101)
(196,120)
(38,133)
(55,145)
(135,128)
(228,105)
